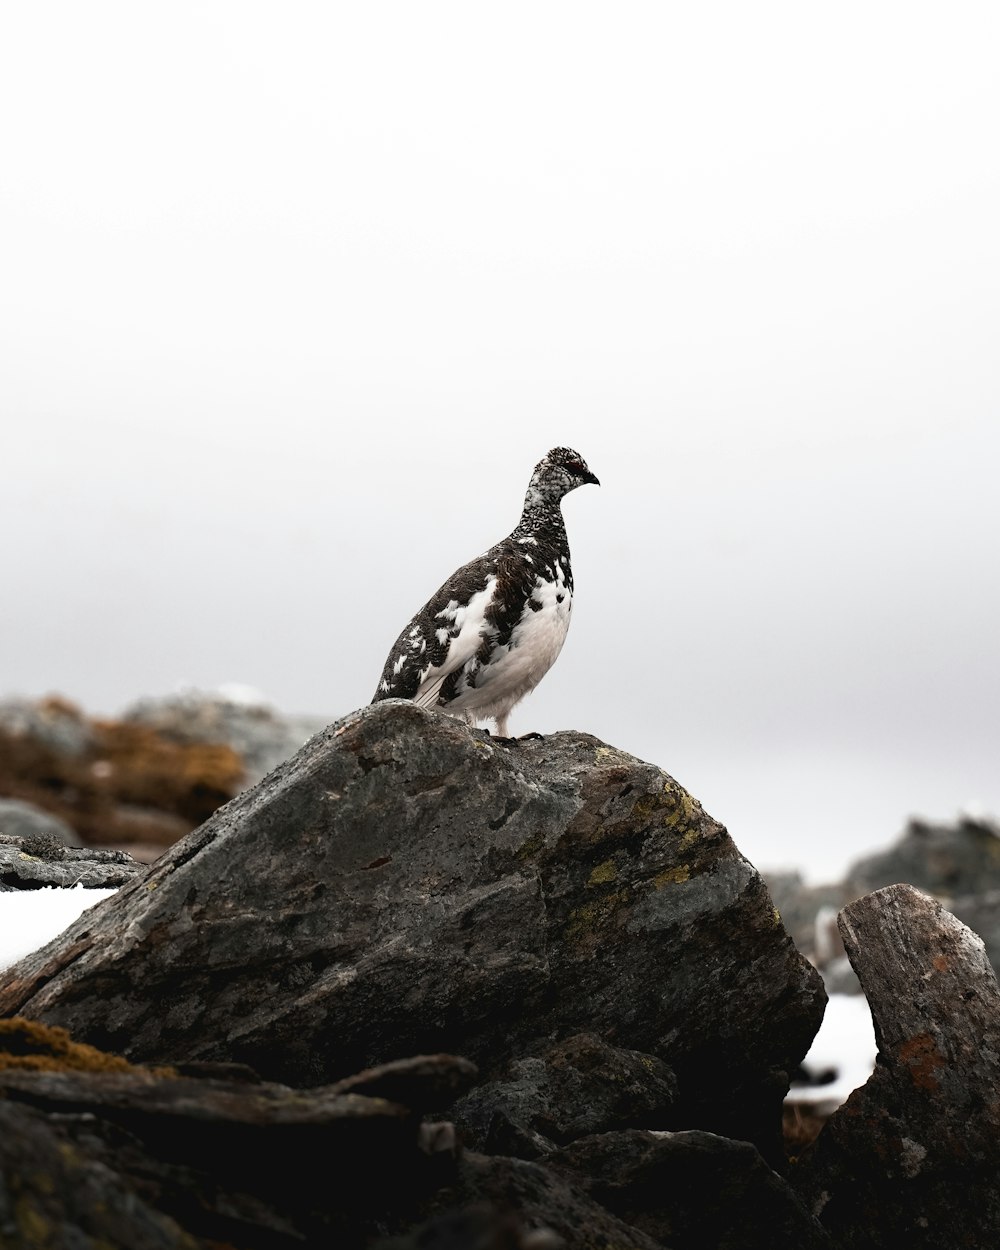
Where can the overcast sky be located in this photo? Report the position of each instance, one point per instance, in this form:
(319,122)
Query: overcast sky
(293,297)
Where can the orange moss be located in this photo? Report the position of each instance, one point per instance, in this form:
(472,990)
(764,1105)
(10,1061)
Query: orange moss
(34,1047)
(134,785)
(189,779)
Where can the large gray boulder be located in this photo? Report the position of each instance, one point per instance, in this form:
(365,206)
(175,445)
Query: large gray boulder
(405,885)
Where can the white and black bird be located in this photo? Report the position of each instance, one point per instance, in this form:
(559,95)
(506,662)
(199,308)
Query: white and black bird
(489,635)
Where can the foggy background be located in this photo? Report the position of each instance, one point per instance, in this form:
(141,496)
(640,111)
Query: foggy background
(293,297)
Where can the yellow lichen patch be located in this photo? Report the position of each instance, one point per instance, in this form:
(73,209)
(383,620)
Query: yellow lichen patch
(584,920)
(679,810)
(692,835)
(33,1047)
(680,807)
(777,916)
(672,876)
(603,873)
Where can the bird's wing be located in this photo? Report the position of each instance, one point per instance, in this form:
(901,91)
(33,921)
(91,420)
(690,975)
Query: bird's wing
(445,634)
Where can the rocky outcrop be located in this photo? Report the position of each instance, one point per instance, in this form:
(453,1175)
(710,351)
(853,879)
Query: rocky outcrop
(259,735)
(948,861)
(42,859)
(111,781)
(405,885)
(912,1157)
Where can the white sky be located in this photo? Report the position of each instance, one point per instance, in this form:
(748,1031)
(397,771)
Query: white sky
(292,297)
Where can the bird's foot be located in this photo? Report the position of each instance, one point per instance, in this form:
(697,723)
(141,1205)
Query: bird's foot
(515,742)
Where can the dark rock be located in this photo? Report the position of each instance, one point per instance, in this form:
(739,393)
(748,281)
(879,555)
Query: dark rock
(229,1163)
(943,860)
(482,1226)
(912,1157)
(691,1190)
(23,820)
(579,1086)
(41,860)
(511,1204)
(55,1193)
(425,1082)
(404,885)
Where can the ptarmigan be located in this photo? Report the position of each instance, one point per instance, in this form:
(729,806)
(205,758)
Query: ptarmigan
(494,629)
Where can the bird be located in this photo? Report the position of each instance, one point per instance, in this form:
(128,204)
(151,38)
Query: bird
(491,632)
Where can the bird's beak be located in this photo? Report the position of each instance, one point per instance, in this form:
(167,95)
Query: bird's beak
(589,477)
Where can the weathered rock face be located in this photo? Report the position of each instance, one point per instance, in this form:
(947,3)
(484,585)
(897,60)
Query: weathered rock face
(912,1158)
(42,859)
(139,1159)
(405,885)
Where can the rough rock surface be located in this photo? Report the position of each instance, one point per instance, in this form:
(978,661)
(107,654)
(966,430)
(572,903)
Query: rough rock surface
(576,1087)
(42,859)
(103,1156)
(912,1157)
(405,885)
(138,1160)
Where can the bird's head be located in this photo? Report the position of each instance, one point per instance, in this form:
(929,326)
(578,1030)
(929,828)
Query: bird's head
(561,471)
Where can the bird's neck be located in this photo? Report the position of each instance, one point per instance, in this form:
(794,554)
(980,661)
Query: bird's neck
(541,516)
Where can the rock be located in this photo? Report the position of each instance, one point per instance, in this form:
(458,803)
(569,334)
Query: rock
(205,1162)
(19,819)
(509,1204)
(112,782)
(42,860)
(912,1157)
(579,1086)
(54,722)
(943,860)
(425,1082)
(981,912)
(259,735)
(801,905)
(690,1190)
(404,885)
(57,1194)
